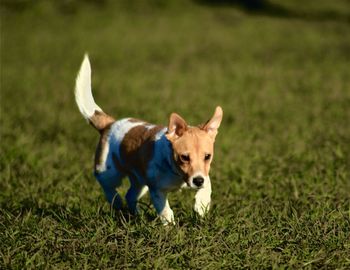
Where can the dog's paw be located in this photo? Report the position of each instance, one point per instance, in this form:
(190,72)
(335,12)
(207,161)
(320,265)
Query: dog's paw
(201,209)
(167,222)
(167,217)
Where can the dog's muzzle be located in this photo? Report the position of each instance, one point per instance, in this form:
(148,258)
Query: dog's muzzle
(198,181)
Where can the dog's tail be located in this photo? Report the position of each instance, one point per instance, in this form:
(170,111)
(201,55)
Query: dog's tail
(85,101)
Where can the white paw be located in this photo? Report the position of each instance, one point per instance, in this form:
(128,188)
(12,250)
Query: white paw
(167,217)
(201,208)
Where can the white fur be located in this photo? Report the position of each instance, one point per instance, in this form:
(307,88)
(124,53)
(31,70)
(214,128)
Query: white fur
(203,198)
(101,167)
(83,94)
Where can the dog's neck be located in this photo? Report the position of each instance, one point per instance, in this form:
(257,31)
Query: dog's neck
(168,157)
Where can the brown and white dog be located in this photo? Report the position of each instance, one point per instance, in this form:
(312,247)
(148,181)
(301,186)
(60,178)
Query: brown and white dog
(155,158)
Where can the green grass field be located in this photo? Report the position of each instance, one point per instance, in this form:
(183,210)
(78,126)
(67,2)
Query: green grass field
(281,173)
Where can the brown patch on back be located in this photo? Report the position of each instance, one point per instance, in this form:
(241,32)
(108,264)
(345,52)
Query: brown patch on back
(137,148)
(101,121)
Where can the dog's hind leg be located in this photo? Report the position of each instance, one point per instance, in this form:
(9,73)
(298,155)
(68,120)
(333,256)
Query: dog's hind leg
(109,183)
(107,170)
(135,192)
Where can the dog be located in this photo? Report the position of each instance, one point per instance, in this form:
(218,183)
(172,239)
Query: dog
(155,158)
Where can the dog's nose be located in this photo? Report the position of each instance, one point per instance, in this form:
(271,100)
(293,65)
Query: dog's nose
(198,181)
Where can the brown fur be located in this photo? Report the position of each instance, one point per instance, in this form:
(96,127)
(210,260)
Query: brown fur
(193,142)
(136,148)
(196,143)
(101,121)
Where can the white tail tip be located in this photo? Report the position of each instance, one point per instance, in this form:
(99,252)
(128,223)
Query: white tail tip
(83,94)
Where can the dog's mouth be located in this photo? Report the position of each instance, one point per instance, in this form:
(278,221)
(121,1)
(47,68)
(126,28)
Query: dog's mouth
(196,188)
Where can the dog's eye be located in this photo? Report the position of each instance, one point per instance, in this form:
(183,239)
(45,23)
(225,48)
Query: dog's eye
(207,157)
(185,158)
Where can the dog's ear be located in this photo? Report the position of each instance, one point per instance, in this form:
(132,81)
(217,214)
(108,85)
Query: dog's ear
(214,123)
(177,126)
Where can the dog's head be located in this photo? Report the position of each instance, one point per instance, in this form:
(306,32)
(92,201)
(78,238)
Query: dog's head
(193,147)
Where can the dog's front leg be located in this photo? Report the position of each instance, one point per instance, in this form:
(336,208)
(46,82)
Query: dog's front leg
(160,202)
(202,199)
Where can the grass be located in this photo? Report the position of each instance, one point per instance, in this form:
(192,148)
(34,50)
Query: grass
(281,182)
